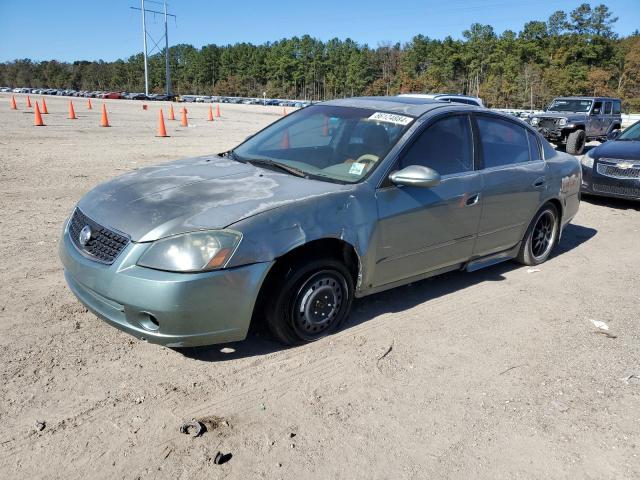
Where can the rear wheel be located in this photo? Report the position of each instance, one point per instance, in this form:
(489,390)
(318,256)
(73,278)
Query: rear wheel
(541,237)
(575,142)
(309,300)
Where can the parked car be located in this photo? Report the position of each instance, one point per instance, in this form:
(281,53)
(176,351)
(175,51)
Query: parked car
(447,97)
(613,168)
(335,201)
(573,121)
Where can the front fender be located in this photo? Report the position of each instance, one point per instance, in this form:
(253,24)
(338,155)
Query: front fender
(349,216)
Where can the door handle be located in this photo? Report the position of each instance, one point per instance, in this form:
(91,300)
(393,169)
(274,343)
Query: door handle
(472,200)
(539,182)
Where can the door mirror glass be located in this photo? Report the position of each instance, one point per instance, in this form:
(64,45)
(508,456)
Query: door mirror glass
(595,111)
(416,176)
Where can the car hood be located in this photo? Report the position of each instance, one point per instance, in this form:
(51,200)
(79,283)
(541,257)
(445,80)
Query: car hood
(627,150)
(194,194)
(570,116)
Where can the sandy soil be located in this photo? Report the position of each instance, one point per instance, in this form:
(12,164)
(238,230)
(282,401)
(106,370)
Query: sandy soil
(497,374)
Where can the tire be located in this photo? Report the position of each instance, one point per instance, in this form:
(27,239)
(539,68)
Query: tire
(541,236)
(575,142)
(325,284)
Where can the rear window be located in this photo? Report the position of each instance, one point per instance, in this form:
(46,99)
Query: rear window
(616,107)
(503,142)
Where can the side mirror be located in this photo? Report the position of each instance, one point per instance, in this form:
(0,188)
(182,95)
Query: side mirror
(416,176)
(613,134)
(595,111)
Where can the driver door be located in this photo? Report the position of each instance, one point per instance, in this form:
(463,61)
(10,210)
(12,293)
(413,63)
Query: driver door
(595,125)
(426,229)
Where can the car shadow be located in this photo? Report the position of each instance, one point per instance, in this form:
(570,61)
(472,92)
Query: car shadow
(612,202)
(398,299)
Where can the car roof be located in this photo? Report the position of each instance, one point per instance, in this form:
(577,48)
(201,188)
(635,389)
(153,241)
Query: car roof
(414,106)
(588,98)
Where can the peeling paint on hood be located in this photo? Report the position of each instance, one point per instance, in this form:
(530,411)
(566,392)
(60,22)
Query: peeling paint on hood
(209,192)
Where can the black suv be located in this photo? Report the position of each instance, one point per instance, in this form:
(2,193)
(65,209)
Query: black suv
(573,121)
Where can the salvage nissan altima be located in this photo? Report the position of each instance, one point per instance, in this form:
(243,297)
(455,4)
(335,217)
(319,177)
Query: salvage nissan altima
(335,201)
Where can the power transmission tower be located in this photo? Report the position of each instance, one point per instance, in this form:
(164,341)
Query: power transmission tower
(146,34)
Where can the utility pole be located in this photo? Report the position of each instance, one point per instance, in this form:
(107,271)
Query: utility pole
(166,51)
(146,34)
(144,47)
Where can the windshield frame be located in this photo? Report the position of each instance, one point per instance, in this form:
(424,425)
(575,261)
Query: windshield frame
(310,174)
(591,103)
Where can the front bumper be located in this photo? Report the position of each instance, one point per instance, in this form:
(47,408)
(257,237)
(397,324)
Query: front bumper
(595,184)
(172,309)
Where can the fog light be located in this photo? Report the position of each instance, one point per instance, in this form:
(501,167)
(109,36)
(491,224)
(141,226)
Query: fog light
(148,321)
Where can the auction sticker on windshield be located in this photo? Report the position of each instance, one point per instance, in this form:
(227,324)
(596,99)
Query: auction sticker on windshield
(391,118)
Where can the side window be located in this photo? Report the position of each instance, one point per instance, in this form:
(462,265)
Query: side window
(446,146)
(534,147)
(607,108)
(616,107)
(597,108)
(503,142)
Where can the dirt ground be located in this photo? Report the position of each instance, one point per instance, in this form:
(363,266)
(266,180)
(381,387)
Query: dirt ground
(497,374)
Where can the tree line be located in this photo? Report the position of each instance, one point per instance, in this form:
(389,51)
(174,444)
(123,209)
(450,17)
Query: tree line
(575,53)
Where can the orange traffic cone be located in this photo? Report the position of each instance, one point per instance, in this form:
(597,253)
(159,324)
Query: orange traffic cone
(162,132)
(210,117)
(72,112)
(89,106)
(217,110)
(13,103)
(44,107)
(144,106)
(183,120)
(104,121)
(171,114)
(28,102)
(37,120)
(284,143)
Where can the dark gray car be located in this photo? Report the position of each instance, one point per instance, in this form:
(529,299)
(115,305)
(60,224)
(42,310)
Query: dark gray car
(573,121)
(335,201)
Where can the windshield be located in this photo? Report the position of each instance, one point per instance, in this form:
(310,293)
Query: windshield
(570,105)
(631,133)
(334,143)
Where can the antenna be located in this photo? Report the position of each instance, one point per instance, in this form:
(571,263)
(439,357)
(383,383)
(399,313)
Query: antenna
(146,34)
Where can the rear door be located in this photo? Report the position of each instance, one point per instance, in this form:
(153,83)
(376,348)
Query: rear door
(607,118)
(514,178)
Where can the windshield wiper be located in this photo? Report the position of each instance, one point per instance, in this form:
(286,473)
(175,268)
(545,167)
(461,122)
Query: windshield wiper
(292,170)
(233,156)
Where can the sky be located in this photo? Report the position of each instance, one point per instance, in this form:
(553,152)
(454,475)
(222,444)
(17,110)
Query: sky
(70,30)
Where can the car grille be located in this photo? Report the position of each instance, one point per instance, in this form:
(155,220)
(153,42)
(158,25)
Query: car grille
(613,169)
(547,122)
(616,190)
(103,246)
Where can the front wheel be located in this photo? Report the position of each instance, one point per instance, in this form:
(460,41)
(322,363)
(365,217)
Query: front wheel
(310,301)
(576,142)
(541,237)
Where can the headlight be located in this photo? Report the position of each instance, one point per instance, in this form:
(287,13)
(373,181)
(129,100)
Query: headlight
(587,159)
(535,121)
(562,122)
(192,252)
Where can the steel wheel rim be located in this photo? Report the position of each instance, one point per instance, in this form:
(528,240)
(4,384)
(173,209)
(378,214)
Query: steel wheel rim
(543,234)
(318,304)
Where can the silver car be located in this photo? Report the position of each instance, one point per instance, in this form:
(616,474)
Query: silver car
(339,200)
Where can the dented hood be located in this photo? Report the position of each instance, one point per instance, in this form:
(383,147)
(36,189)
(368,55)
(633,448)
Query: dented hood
(194,194)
